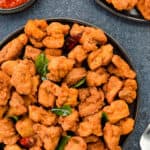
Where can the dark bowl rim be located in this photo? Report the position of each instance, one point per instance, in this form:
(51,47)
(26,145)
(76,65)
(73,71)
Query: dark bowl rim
(120,49)
(117,13)
(18,8)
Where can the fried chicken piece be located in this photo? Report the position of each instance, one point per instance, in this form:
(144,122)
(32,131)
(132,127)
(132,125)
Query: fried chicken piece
(112,88)
(100,75)
(76,143)
(35,29)
(59,67)
(31,52)
(76,30)
(91,125)
(69,123)
(13,48)
(78,54)
(35,84)
(67,96)
(144,7)
(5,88)
(83,94)
(121,68)
(123,5)
(101,57)
(126,125)
(49,135)
(75,75)
(128,93)
(39,114)
(91,37)
(36,43)
(8,66)
(29,100)
(53,52)
(8,134)
(91,139)
(25,127)
(96,146)
(116,111)
(17,105)
(112,136)
(93,103)
(45,96)
(12,147)
(3,110)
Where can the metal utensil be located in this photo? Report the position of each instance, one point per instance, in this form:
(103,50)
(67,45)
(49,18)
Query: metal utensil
(145,139)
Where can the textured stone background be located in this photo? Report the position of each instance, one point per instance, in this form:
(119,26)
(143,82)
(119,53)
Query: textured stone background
(134,37)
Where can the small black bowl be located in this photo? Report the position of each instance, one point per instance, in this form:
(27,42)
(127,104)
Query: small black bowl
(18,8)
(133,14)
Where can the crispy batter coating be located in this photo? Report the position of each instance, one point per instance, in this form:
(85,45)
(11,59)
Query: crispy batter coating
(101,57)
(70,122)
(59,68)
(67,96)
(96,146)
(8,134)
(13,49)
(45,96)
(3,110)
(144,8)
(116,111)
(128,93)
(91,139)
(76,143)
(53,52)
(91,125)
(91,37)
(121,68)
(5,88)
(36,43)
(126,125)
(39,114)
(112,88)
(12,147)
(112,136)
(92,103)
(49,135)
(75,75)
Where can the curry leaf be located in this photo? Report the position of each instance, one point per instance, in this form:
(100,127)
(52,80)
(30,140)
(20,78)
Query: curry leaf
(81,82)
(41,64)
(104,118)
(63,141)
(62,111)
(14,118)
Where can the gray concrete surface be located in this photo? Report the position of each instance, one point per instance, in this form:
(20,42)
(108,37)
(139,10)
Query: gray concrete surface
(134,37)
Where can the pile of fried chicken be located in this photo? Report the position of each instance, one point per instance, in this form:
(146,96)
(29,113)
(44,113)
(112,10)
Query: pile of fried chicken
(142,5)
(63,88)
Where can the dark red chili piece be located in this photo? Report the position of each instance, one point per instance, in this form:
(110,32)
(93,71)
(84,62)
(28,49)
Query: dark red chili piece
(26,142)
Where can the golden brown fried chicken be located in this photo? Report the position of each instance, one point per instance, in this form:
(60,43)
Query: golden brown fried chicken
(121,68)
(128,93)
(112,135)
(67,96)
(53,52)
(126,125)
(144,7)
(13,49)
(49,135)
(59,67)
(75,75)
(92,103)
(91,125)
(31,52)
(96,146)
(70,122)
(101,57)
(117,110)
(36,43)
(5,88)
(78,54)
(25,127)
(8,134)
(12,147)
(91,37)
(112,88)
(91,139)
(76,143)
(39,114)
(3,110)
(97,78)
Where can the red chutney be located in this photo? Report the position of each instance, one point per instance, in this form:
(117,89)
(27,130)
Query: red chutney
(11,3)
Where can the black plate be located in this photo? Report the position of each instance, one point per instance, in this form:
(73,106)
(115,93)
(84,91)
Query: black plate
(18,8)
(118,49)
(133,14)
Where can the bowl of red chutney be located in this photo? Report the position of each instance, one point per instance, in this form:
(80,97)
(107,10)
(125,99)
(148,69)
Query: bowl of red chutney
(14,6)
